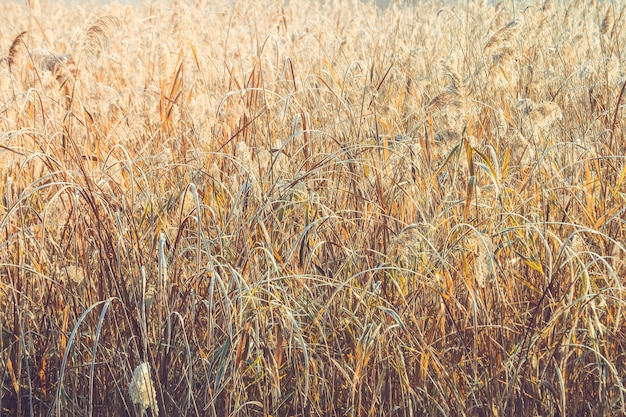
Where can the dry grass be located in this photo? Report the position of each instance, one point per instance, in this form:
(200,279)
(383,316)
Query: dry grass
(312,209)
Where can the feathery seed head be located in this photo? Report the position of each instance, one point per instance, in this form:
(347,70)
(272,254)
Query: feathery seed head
(141,389)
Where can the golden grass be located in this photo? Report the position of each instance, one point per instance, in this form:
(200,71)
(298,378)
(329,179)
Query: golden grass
(312,209)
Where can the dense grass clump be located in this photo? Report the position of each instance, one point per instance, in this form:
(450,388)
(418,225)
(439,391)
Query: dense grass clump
(312,208)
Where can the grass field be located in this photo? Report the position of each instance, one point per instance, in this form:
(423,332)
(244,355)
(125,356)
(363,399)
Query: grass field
(312,209)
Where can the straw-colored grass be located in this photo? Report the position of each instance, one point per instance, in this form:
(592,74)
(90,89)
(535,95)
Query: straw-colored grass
(313,208)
